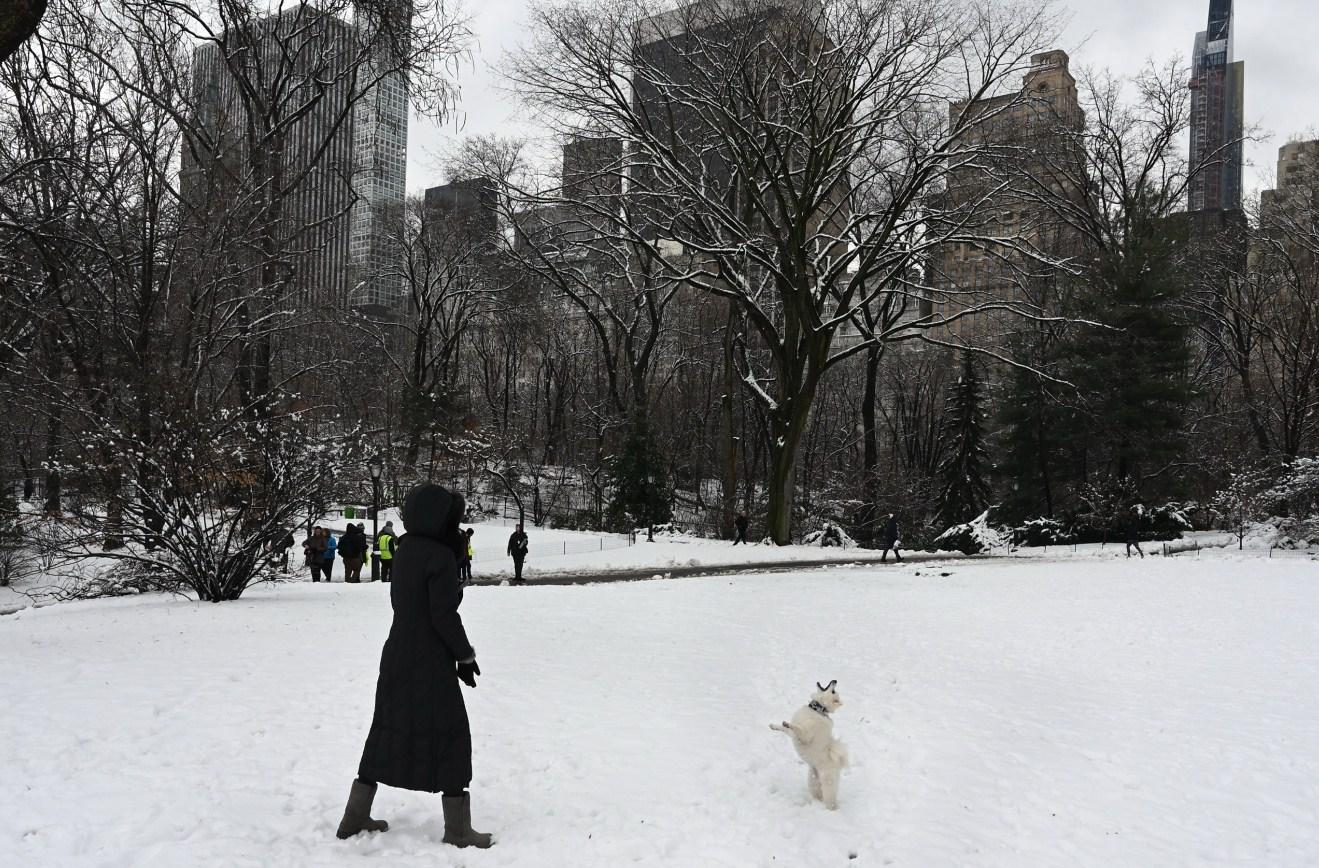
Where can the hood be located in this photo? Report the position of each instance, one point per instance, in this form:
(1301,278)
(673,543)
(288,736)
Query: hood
(432,510)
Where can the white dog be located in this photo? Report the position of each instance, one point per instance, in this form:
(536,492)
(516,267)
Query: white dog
(812,731)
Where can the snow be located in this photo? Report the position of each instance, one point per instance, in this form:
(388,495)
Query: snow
(998,712)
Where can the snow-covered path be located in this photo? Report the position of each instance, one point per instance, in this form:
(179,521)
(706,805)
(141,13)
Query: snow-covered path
(1013,713)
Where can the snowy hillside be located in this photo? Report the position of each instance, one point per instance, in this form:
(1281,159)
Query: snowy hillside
(1010,713)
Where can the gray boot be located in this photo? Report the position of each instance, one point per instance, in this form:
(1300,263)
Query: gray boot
(357,816)
(458,824)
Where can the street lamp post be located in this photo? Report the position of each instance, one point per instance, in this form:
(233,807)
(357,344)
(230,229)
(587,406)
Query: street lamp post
(376,470)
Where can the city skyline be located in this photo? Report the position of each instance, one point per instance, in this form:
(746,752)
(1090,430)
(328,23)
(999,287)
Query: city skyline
(1274,39)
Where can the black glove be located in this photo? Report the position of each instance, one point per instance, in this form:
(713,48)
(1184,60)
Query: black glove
(467,672)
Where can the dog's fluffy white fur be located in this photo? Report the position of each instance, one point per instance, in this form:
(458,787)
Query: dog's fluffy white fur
(813,736)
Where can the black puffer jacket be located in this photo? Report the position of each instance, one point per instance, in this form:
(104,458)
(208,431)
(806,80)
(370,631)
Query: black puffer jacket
(353,543)
(420,739)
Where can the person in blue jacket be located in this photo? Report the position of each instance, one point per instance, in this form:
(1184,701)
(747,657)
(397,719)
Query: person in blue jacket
(331,546)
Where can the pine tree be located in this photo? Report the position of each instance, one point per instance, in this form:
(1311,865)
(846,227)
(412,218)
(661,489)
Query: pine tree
(963,490)
(1131,374)
(640,482)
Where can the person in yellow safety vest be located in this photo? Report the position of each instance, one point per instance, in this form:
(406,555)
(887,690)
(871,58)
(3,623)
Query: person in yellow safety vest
(465,568)
(385,545)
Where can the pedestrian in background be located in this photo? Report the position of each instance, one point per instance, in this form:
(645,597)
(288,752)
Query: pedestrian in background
(1132,528)
(331,546)
(742,522)
(517,549)
(889,539)
(313,549)
(471,555)
(286,545)
(352,548)
(385,544)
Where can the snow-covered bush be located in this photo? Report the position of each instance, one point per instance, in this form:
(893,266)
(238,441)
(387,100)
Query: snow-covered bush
(1295,494)
(1282,533)
(831,535)
(1042,532)
(1279,502)
(669,528)
(1104,506)
(972,538)
(205,507)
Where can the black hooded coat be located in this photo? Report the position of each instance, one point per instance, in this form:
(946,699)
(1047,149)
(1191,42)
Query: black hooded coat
(420,738)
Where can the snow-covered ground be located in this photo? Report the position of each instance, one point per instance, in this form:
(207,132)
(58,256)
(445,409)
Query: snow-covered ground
(1004,712)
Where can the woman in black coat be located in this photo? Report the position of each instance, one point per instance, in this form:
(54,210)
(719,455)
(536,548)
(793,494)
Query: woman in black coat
(419,738)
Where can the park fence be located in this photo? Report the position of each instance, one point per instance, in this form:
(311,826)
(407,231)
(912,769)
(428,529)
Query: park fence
(1193,548)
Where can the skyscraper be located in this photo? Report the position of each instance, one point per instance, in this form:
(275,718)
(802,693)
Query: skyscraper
(338,170)
(1033,134)
(1217,115)
(380,142)
(1298,174)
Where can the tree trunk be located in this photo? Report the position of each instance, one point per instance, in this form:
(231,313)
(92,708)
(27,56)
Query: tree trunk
(728,484)
(870,450)
(53,481)
(114,515)
(782,490)
(787,427)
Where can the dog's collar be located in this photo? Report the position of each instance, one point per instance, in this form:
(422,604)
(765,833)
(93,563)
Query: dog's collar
(818,708)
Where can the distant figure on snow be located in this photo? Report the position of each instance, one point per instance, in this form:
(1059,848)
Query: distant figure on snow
(313,549)
(331,546)
(385,546)
(889,539)
(517,548)
(287,543)
(741,523)
(465,567)
(1132,529)
(420,737)
(352,548)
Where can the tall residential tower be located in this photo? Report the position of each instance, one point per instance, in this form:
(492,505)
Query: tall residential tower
(1217,115)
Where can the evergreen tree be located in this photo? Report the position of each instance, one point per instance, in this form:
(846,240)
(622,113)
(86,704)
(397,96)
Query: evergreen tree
(963,490)
(1131,374)
(640,482)
(1033,469)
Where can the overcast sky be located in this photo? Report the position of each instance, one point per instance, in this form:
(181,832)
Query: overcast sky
(1277,39)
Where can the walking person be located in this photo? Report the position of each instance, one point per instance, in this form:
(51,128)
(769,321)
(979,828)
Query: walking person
(313,549)
(889,538)
(741,523)
(352,548)
(286,545)
(517,548)
(470,556)
(385,546)
(1132,528)
(331,546)
(420,738)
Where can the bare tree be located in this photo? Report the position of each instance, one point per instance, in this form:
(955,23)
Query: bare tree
(1261,318)
(453,279)
(750,129)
